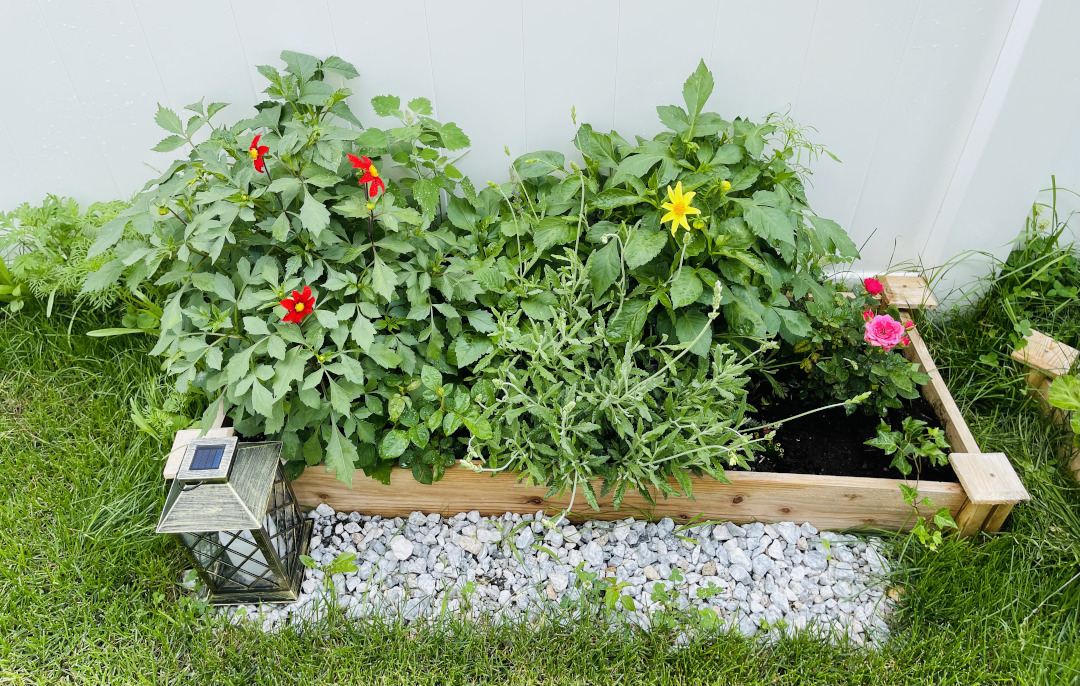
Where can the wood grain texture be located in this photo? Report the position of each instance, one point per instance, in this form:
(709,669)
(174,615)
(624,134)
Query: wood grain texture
(988,478)
(997,517)
(827,502)
(907,292)
(937,394)
(971,518)
(1045,355)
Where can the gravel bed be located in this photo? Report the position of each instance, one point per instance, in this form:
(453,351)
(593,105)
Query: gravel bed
(755,577)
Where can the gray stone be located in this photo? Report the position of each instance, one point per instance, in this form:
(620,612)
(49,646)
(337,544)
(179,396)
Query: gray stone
(787,531)
(776,550)
(324,510)
(469,544)
(401,547)
(593,554)
(558,581)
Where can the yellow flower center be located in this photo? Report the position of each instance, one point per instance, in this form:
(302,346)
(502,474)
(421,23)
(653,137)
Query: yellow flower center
(254,152)
(299,307)
(373,171)
(678,209)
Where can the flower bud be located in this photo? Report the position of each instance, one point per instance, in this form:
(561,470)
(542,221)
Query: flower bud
(370,207)
(163,210)
(725,186)
(718,289)
(699,225)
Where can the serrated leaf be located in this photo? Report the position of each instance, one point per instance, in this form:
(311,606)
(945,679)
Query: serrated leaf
(616,197)
(386,105)
(420,105)
(643,246)
(313,215)
(628,321)
(1065,393)
(299,64)
(169,143)
(393,444)
(383,279)
(363,332)
(255,326)
(169,120)
(697,89)
(605,267)
(430,377)
(340,455)
(339,66)
(686,288)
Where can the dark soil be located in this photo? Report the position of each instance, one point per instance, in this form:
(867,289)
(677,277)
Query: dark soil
(832,442)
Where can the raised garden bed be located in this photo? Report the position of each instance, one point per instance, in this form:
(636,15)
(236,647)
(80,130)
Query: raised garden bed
(981,499)
(1046,360)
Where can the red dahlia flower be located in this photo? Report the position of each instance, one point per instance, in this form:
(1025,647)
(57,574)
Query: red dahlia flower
(257,151)
(299,305)
(873,286)
(371,174)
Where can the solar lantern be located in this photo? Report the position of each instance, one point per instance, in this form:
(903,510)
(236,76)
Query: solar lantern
(238,519)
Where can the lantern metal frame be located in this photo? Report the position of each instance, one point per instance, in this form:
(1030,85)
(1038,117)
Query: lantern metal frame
(243,550)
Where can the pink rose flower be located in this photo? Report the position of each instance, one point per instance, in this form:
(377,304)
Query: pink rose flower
(905,341)
(884,332)
(872,286)
(867,315)
(909,324)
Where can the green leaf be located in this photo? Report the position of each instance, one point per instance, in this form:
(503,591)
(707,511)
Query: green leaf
(340,455)
(430,377)
(393,444)
(339,66)
(262,400)
(1065,393)
(280,228)
(605,267)
(697,89)
(482,321)
(313,215)
(643,246)
(687,328)
(477,426)
(686,288)
(427,193)
(770,223)
(363,332)
(383,356)
(628,321)
(420,105)
(256,326)
(453,137)
(537,164)
(383,279)
(834,237)
(674,117)
(729,153)
(168,120)
(386,105)
(299,64)
(469,349)
(169,143)
(616,197)
(553,231)
(107,275)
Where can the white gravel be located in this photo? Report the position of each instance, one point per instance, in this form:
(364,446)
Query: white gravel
(755,577)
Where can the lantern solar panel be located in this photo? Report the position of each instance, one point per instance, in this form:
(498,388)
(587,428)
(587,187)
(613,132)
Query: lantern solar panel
(207,457)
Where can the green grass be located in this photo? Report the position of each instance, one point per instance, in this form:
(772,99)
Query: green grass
(89,594)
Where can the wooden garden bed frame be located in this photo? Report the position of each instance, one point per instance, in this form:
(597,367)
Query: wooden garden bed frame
(988,487)
(1046,360)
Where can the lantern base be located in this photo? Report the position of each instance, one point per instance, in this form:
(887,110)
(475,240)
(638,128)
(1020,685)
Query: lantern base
(276,595)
